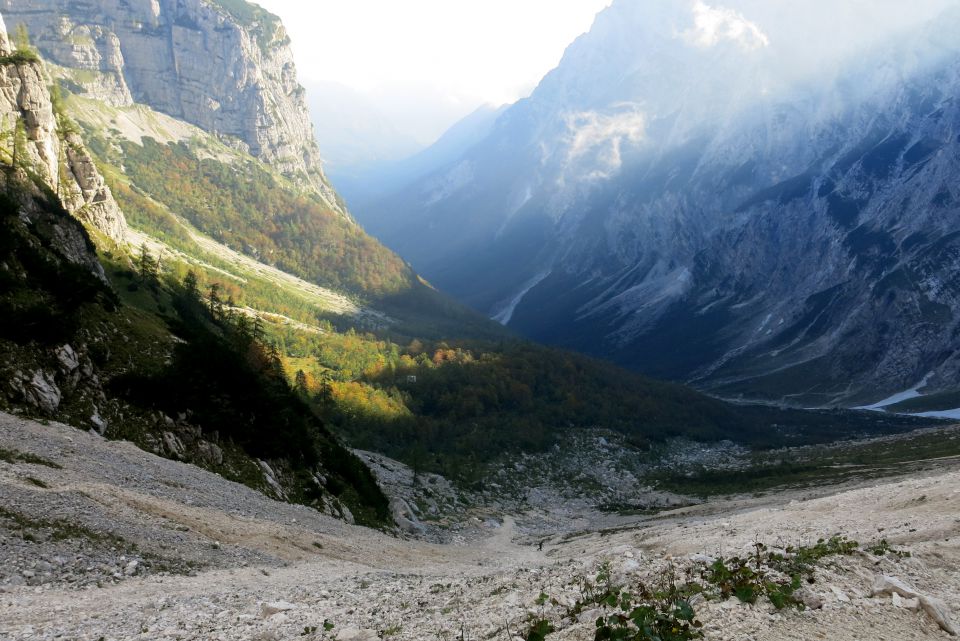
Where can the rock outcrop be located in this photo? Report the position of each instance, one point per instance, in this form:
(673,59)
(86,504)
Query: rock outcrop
(225,67)
(50,148)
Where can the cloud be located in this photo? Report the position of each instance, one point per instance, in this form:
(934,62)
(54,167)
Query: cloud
(713,25)
(596,139)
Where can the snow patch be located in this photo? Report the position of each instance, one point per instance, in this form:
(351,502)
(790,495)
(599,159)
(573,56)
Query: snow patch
(506,314)
(906,395)
(952,414)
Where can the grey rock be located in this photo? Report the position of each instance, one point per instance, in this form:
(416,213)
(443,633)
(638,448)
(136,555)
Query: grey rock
(404,516)
(68,358)
(98,422)
(40,391)
(173,444)
(356,634)
(935,608)
(24,95)
(810,599)
(5,47)
(209,453)
(273,608)
(192,59)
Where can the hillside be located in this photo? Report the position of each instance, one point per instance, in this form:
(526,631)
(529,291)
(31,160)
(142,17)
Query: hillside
(151,365)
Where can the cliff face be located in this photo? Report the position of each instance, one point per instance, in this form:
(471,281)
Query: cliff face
(51,150)
(226,68)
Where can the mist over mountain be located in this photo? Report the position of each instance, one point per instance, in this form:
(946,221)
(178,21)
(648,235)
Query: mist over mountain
(352,132)
(364,184)
(749,196)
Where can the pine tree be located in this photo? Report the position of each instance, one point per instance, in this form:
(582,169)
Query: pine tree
(216,305)
(147,266)
(301,385)
(258,332)
(191,286)
(21,38)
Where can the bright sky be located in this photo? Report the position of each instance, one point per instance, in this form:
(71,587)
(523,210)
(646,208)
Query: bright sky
(491,50)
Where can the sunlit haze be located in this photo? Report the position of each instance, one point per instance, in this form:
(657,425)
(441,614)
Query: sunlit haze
(464,52)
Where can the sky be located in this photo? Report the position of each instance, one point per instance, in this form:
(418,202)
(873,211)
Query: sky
(427,63)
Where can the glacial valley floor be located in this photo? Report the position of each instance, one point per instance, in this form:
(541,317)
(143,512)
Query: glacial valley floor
(100,540)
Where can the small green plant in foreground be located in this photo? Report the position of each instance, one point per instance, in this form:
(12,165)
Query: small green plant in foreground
(883,548)
(776,575)
(665,612)
(648,616)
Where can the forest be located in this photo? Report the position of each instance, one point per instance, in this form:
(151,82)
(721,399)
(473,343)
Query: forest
(250,209)
(454,408)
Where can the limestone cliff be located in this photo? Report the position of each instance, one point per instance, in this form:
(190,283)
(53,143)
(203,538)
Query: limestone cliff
(48,148)
(225,67)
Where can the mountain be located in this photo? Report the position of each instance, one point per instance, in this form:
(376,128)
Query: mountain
(225,66)
(365,189)
(235,318)
(353,132)
(682,196)
(168,375)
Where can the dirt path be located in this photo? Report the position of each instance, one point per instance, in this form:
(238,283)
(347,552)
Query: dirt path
(270,571)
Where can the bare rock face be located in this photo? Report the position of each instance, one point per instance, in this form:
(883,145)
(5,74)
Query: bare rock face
(57,156)
(228,70)
(5,47)
(39,389)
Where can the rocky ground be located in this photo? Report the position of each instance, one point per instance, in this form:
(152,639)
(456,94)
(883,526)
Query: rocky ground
(99,540)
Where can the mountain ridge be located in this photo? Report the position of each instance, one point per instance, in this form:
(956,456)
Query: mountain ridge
(592,215)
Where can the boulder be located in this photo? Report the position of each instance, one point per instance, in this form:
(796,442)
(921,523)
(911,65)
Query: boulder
(98,422)
(209,454)
(404,516)
(40,391)
(268,610)
(810,599)
(172,444)
(69,361)
(357,634)
(935,608)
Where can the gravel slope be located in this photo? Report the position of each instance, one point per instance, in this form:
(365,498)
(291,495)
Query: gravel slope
(121,544)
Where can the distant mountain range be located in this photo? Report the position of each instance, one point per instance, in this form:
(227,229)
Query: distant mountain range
(689,197)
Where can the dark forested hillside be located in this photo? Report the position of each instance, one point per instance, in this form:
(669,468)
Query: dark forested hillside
(71,349)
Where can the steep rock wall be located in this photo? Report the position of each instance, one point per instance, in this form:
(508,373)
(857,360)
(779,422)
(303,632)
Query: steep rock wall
(49,149)
(227,69)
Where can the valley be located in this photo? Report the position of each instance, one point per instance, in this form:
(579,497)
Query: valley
(666,350)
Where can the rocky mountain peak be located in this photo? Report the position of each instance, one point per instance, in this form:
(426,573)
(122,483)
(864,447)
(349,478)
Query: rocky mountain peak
(52,149)
(224,67)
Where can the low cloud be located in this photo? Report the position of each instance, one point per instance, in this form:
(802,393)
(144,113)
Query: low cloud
(714,25)
(597,139)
